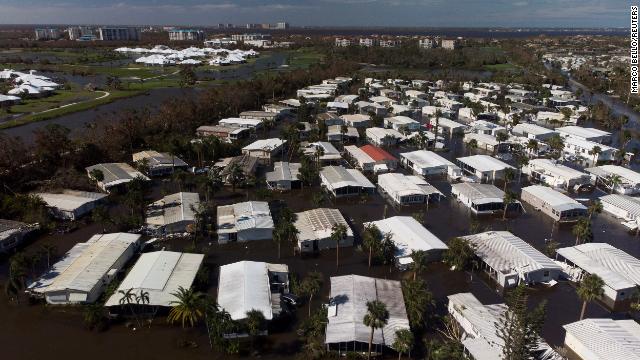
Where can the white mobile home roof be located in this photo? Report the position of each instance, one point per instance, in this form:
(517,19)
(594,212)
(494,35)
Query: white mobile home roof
(239,122)
(506,252)
(85,264)
(339,177)
(627,203)
(556,169)
(159,274)
(244,286)
(617,269)
(426,159)
(397,184)
(265,144)
(358,154)
(116,173)
(484,163)
(409,235)
(245,215)
(173,208)
(318,224)
(351,294)
(70,200)
(532,129)
(582,132)
(479,193)
(629,176)
(555,199)
(448,123)
(284,171)
(607,338)
(158,159)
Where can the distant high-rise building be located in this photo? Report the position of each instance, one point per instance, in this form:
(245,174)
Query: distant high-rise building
(449,44)
(250,37)
(390,43)
(340,42)
(427,43)
(186,35)
(78,32)
(368,42)
(282,25)
(119,34)
(47,34)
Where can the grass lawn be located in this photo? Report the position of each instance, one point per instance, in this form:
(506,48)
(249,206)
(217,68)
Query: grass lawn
(304,58)
(61,97)
(501,67)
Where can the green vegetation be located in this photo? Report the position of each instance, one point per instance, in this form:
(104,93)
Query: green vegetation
(304,58)
(501,67)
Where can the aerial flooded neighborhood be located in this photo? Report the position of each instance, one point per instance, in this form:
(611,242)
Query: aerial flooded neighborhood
(320,186)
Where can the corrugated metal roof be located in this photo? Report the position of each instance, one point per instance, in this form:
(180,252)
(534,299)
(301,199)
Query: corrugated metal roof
(507,253)
(624,202)
(116,173)
(617,269)
(284,171)
(397,184)
(85,264)
(317,224)
(555,199)
(349,296)
(338,177)
(627,175)
(173,208)
(159,274)
(582,132)
(244,286)
(70,200)
(377,153)
(484,163)
(409,235)
(532,129)
(157,159)
(245,215)
(265,144)
(427,159)
(478,193)
(555,169)
(607,338)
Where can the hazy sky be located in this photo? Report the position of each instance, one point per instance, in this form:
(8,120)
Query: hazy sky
(458,13)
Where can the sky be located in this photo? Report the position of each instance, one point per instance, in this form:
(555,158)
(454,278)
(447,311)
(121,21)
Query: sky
(396,13)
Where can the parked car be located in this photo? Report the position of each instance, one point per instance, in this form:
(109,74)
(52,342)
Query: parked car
(290,299)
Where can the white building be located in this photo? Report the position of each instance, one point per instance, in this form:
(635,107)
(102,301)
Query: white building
(247,285)
(376,161)
(486,142)
(510,260)
(616,178)
(284,176)
(349,296)
(554,204)
(587,134)
(246,221)
(172,214)
(487,128)
(186,35)
(480,324)
(356,120)
(114,175)
(532,131)
(159,274)
(409,235)
(448,127)
(342,182)
(265,149)
(71,204)
(401,123)
(619,270)
(483,167)
(582,149)
(480,198)
(315,228)
(407,190)
(13,233)
(426,163)
(603,339)
(249,123)
(383,137)
(159,164)
(555,174)
(340,42)
(85,271)
(623,207)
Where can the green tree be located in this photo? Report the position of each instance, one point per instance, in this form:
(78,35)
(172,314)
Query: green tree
(460,254)
(308,171)
(235,176)
(376,317)
(519,327)
(508,199)
(418,302)
(595,207)
(95,316)
(338,233)
(582,231)
(311,285)
(255,324)
(188,308)
(419,262)
(371,239)
(187,77)
(590,288)
(403,342)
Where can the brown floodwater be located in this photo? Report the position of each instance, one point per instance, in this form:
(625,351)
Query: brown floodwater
(37,331)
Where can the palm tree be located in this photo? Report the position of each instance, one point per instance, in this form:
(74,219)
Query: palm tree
(128,298)
(533,145)
(188,308)
(508,199)
(215,181)
(371,238)
(589,289)
(459,255)
(338,233)
(235,177)
(472,145)
(311,285)
(418,300)
(403,342)
(419,263)
(595,151)
(376,317)
(509,175)
(595,207)
(615,180)
(255,323)
(582,231)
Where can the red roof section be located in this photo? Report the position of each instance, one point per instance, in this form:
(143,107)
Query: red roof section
(377,153)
